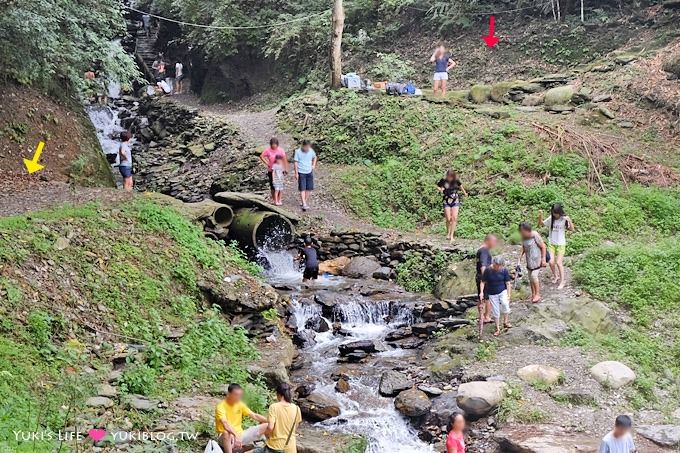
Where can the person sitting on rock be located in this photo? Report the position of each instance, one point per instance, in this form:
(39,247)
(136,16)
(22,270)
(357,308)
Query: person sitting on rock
(535,251)
(455,439)
(619,439)
(497,283)
(229,415)
(282,420)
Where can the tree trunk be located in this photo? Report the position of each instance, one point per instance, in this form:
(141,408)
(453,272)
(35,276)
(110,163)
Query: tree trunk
(338,25)
(583,18)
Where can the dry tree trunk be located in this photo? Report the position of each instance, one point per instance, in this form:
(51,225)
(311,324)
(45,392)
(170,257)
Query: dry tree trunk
(338,25)
(583,19)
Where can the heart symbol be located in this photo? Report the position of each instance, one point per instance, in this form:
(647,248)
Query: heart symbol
(97,434)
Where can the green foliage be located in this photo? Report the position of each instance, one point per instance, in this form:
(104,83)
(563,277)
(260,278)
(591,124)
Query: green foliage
(54,42)
(390,66)
(356,445)
(132,270)
(138,378)
(418,272)
(514,408)
(486,351)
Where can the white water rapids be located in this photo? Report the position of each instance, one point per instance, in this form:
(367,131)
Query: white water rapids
(363,410)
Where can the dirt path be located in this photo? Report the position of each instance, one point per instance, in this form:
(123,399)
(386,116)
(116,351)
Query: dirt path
(257,127)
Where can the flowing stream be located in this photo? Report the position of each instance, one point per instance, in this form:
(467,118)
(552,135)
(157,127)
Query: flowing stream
(362,410)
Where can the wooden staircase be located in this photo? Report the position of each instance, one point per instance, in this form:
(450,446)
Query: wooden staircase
(145,52)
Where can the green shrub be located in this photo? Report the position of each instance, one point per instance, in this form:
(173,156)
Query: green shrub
(419,273)
(138,378)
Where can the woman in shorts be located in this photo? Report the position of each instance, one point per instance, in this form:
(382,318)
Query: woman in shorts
(442,63)
(558,224)
(125,159)
(450,188)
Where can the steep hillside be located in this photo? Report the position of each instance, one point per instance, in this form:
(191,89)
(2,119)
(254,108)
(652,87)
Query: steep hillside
(110,314)
(72,152)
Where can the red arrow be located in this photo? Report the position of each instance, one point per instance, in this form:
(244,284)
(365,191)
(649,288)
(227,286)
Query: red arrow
(491,40)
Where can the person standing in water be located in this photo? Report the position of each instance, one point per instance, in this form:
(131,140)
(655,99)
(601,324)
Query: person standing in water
(305,164)
(125,160)
(311,258)
(282,421)
(442,64)
(535,251)
(558,223)
(455,439)
(268,157)
(450,186)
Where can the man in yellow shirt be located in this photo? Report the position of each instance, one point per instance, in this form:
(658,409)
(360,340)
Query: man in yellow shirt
(229,415)
(283,419)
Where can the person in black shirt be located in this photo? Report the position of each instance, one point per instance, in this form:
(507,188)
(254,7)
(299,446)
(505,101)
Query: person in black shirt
(311,258)
(450,186)
(484,261)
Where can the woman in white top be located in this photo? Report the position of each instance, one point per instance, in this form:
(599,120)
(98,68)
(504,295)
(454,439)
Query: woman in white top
(558,223)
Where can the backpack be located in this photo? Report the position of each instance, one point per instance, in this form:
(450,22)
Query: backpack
(409,89)
(394,88)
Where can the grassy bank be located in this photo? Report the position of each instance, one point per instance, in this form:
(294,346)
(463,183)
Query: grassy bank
(76,283)
(394,150)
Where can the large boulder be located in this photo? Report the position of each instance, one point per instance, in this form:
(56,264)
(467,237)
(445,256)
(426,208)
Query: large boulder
(442,407)
(413,403)
(318,407)
(540,374)
(480,398)
(479,94)
(393,382)
(544,439)
(334,266)
(664,435)
(612,374)
(361,267)
(558,96)
(457,280)
(533,100)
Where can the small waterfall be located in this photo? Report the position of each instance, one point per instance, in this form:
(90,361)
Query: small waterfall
(373,312)
(280,265)
(107,124)
(362,410)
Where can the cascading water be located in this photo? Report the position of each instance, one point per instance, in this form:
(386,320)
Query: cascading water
(363,411)
(107,124)
(280,265)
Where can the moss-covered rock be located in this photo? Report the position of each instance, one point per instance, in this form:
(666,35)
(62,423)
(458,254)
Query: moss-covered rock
(672,65)
(499,91)
(480,94)
(558,96)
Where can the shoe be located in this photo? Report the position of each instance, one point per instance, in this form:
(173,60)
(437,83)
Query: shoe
(305,207)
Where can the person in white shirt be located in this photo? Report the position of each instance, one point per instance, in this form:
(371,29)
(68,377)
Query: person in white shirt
(179,77)
(558,223)
(619,439)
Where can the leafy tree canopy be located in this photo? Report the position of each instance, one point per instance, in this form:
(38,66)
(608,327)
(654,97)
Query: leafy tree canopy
(48,42)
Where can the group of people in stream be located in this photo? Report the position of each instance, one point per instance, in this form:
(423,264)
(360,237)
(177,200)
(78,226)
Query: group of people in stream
(494,282)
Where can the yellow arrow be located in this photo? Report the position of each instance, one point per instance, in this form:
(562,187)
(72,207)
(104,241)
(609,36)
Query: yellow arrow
(32,165)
